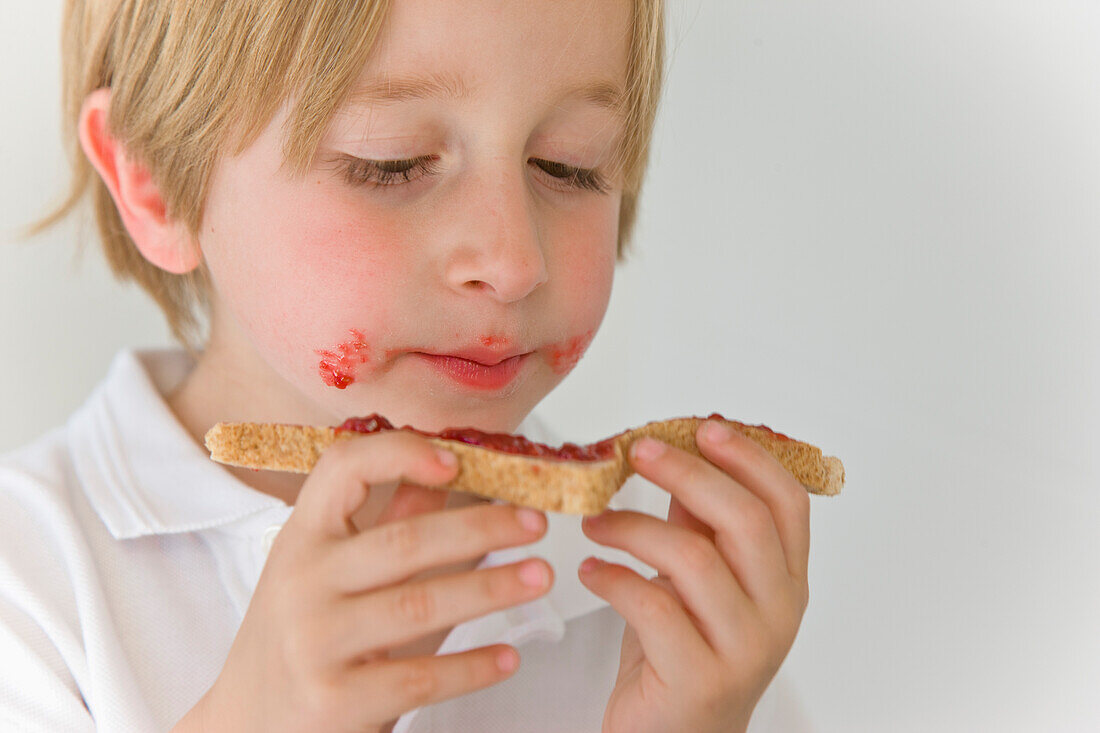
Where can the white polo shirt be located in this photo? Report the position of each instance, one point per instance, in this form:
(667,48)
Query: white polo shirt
(127,560)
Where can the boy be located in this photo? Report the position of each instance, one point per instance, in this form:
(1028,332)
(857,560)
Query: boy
(412,208)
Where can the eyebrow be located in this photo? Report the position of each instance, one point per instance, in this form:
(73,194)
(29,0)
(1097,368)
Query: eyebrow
(396,89)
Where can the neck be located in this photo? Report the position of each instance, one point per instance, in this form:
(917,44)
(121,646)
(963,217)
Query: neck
(209,395)
(231,383)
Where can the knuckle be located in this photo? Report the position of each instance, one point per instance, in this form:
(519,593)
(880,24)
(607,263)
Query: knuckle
(320,697)
(757,519)
(656,605)
(419,681)
(401,538)
(685,469)
(481,522)
(416,604)
(697,554)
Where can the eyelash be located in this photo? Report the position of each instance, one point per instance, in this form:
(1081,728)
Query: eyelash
(383,173)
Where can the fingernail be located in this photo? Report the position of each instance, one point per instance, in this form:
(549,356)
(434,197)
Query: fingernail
(530,519)
(533,574)
(589,565)
(448,459)
(594,520)
(647,449)
(716,432)
(507,660)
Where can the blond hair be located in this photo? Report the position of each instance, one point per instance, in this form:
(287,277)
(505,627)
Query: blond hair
(192,80)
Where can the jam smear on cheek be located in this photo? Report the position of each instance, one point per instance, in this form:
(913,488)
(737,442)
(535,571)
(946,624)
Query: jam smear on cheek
(338,367)
(564,356)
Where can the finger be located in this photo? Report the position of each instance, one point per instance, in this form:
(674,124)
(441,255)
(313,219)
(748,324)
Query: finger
(401,685)
(409,500)
(745,533)
(758,471)
(340,481)
(671,642)
(681,517)
(414,610)
(699,574)
(393,552)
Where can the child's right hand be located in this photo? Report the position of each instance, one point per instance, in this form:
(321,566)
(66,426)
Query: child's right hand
(312,652)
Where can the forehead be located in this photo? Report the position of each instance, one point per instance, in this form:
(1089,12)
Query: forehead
(553,49)
(390,89)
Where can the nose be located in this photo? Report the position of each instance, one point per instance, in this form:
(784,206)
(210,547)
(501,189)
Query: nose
(497,251)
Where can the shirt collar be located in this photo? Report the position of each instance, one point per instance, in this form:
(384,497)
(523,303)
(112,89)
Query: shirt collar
(142,471)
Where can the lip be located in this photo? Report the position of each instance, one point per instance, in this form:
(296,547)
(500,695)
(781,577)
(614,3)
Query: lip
(479,369)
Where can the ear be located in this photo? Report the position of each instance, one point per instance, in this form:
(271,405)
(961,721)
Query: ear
(163,242)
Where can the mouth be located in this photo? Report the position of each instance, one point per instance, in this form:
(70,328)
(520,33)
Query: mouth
(486,372)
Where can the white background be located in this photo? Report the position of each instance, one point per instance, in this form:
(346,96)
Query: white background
(871,225)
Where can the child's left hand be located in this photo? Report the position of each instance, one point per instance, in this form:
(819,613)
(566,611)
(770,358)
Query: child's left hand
(706,636)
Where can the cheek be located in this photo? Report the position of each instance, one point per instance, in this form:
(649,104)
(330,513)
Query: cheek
(586,263)
(309,278)
(586,271)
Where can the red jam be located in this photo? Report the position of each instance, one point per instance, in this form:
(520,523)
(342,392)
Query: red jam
(503,442)
(565,356)
(338,366)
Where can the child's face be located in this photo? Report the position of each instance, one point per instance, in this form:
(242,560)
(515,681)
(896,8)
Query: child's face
(345,290)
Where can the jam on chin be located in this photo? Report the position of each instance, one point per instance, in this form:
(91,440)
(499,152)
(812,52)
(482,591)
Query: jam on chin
(503,442)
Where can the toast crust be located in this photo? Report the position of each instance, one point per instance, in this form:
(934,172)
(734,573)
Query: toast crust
(570,487)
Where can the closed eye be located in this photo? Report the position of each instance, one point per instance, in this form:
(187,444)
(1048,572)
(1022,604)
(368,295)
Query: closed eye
(585,178)
(382,173)
(378,173)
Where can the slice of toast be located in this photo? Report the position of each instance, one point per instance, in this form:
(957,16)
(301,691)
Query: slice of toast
(568,486)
